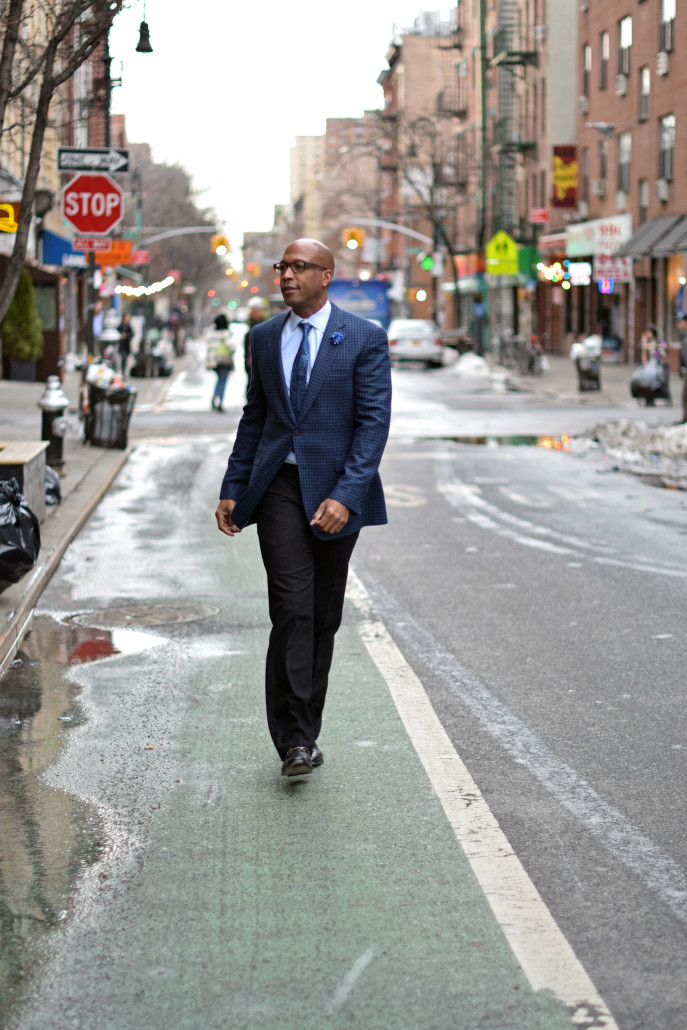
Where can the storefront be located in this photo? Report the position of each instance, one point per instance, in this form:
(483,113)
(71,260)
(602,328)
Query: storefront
(607,304)
(657,251)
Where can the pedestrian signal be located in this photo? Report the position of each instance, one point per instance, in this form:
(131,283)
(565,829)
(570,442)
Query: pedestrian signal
(353,238)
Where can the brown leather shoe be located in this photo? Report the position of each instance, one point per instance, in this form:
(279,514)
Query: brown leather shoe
(297,762)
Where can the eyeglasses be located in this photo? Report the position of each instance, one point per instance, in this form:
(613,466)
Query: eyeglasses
(297,266)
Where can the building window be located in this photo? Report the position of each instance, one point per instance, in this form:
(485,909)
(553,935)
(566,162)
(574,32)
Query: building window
(542,121)
(644,89)
(603,159)
(605,56)
(586,68)
(643,200)
(667,24)
(624,154)
(666,145)
(624,45)
(585,174)
(542,188)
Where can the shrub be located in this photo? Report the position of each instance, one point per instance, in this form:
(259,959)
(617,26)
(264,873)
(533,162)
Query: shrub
(22,333)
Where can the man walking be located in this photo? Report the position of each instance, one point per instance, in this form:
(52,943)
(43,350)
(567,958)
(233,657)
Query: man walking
(304,468)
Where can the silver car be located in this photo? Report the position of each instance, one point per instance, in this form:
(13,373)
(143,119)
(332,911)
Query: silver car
(415,339)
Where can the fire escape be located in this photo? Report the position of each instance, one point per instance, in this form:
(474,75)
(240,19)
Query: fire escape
(512,128)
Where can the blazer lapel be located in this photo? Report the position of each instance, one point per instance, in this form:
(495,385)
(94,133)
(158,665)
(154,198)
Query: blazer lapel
(275,362)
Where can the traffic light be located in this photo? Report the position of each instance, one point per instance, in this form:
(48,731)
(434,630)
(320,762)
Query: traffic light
(219,244)
(229,272)
(426,262)
(253,269)
(353,238)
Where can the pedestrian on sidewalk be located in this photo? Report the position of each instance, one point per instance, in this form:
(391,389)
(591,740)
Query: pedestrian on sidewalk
(682,330)
(126,335)
(304,468)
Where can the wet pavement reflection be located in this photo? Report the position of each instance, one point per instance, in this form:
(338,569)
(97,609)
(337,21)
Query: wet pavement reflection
(46,836)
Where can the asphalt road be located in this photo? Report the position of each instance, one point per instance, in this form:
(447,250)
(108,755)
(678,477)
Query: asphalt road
(161,872)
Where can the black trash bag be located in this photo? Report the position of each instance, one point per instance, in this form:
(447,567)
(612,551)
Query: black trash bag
(53,486)
(20,535)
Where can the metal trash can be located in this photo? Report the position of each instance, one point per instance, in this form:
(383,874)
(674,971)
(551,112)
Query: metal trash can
(109,414)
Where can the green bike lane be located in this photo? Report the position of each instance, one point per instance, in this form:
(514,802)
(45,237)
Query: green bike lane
(375,893)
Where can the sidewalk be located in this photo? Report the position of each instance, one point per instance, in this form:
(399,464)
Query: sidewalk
(87,476)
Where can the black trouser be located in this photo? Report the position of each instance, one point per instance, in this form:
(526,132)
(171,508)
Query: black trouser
(306,582)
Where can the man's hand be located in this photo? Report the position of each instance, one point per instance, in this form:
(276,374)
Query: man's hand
(223,516)
(331,516)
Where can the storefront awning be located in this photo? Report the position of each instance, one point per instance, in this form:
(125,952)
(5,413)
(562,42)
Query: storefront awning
(675,239)
(649,234)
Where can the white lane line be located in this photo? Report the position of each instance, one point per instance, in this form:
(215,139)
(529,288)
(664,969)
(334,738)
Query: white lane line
(467,497)
(645,859)
(350,980)
(546,958)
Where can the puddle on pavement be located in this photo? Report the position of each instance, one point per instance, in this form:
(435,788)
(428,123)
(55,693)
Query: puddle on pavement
(47,838)
(549,443)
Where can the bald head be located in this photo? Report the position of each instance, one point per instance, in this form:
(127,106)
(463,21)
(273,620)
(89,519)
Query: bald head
(319,253)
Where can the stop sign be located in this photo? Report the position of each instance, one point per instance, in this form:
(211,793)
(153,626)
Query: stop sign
(92,204)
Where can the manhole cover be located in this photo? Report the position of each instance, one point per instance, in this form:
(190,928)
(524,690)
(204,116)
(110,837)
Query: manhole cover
(143,615)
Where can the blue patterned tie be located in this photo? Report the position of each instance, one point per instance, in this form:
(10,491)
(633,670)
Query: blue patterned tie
(299,372)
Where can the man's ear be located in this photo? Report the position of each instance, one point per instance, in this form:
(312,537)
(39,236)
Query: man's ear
(327,276)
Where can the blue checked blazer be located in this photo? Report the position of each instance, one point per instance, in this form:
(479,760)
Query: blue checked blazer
(340,434)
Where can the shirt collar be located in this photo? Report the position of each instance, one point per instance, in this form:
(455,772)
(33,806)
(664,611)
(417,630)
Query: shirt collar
(318,320)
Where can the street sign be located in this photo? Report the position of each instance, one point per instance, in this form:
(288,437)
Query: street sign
(102,243)
(539,215)
(140,257)
(92,159)
(501,255)
(92,204)
(118,254)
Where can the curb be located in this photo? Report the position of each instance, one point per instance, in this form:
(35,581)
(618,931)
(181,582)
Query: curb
(56,535)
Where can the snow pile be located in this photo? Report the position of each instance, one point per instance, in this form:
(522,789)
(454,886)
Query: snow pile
(657,451)
(472,366)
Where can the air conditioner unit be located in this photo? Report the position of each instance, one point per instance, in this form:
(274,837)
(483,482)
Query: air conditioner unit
(583,209)
(662,62)
(620,200)
(661,186)
(540,33)
(620,85)
(598,187)
(583,104)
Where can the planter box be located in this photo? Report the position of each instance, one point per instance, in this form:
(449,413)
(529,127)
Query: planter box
(24,371)
(25,462)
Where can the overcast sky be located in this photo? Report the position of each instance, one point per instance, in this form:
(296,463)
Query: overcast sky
(231,83)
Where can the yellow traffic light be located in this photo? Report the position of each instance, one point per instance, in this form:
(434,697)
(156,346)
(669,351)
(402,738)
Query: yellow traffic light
(353,238)
(229,272)
(219,244)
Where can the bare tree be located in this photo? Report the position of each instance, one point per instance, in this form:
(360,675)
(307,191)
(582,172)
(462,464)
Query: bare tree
(169,200)
(43,44)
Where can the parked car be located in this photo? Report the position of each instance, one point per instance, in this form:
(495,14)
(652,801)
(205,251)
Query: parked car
(416,339)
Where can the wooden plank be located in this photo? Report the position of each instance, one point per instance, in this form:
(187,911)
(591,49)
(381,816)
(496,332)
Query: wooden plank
(20,452)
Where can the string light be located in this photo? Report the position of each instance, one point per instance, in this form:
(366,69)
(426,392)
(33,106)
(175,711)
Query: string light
(144,291)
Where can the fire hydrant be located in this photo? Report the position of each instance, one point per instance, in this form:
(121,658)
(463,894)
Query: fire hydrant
(54,404)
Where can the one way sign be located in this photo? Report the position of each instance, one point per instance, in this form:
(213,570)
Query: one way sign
(92,159)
